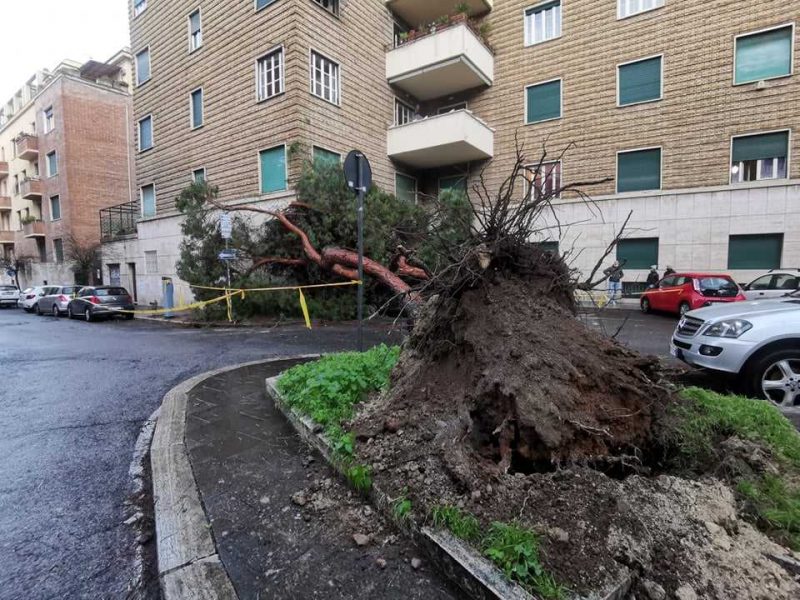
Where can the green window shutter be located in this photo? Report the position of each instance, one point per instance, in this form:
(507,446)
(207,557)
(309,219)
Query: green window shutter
(638,253)
(148,201)
(273,169)
(55,208)
(405,188)
(455,183)
(543,102)
(764,55)
(640,81)
(548,246)
(755,251)
(756,147)
(146,133)
(639,170)
(197,108)
(326,157)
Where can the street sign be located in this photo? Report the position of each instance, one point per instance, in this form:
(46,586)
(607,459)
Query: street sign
(225,226)
(357,171)
(227,254)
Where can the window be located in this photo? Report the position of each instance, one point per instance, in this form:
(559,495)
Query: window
(148,199)
(272,164)
(199,175)
(143,66)
(326,157)
(761,156)
(195,31)
(151,261)
(55,208)
(405,188)
(456,183)
(628,8)
(58,250)
(543,101)
(196,108)
(763,55)
(324,78)
(329,5)
(547,180)
(639,170)
(638,253)
(639,81)
(49,119)
(269,75)
(262,3)
(755,251)
(548,246)
(543,22)
(138,7)
(145,133)
(786,282)
(52,164)
(403,113)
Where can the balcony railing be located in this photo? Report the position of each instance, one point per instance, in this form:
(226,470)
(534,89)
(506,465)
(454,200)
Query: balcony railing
(442,63)
(33,229)
(6,236)
(27,146)
(5,203)
(3,169)
(30,189)
(119,221)
(437,141)
(415,12)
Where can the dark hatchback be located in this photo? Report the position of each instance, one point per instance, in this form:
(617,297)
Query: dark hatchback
(101,301)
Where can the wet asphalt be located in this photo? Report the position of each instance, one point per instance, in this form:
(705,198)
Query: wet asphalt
(73,397)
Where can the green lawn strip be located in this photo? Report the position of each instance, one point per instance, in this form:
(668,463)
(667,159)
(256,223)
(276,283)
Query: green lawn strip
(708,418)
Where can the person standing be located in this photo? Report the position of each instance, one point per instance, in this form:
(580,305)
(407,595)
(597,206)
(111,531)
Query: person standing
(653,276)
(615,275)
(669,271)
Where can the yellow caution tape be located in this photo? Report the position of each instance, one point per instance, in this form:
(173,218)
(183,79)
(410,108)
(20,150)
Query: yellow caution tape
(304,308)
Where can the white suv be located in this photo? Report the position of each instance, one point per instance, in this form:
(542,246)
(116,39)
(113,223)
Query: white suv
(758,340)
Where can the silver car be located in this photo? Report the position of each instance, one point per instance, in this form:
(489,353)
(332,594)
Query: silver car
(776,283)
(56,301)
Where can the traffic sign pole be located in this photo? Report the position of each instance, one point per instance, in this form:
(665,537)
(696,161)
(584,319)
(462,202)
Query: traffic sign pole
(360,254)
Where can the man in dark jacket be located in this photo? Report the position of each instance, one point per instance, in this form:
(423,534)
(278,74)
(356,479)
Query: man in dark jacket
(669,271)
(653,276)
(615,275)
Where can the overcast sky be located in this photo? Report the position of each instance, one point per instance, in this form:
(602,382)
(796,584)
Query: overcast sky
(38,34)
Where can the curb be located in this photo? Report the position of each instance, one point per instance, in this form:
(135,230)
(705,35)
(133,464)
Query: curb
(189,567)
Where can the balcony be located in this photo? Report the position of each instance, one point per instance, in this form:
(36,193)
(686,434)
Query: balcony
(415,12)
(5,203)
(33,229)
(6,236)
(3,169)
(119,222)
(27,146)
(442,63)
(30,189)
(448,139)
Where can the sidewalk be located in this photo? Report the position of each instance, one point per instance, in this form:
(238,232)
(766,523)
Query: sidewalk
(282,522)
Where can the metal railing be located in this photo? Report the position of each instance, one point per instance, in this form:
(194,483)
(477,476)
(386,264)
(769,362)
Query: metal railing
(119,221)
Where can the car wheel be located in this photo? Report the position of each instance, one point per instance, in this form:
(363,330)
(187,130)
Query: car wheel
(128,316)
(88,315)
(56,312)
(645,304)
(776,377)
(37,310)
(69,312)
(684,308)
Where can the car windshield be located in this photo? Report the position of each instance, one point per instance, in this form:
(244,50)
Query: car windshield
(716,283)
(110,292)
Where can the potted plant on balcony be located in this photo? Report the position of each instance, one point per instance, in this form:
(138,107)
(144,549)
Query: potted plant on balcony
(27,220)
(461,13)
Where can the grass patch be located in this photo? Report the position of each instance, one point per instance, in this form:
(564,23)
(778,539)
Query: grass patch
(402,507)
(460,524)
(328,389)
(775,506)
(360,477)
(515,550)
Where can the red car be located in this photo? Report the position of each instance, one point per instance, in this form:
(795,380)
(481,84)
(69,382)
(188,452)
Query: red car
(682,292)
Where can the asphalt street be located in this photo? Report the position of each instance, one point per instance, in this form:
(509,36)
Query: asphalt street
(74,396)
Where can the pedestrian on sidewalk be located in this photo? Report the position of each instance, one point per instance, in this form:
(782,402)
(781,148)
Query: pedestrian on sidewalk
(615,275)
(669,271)
(653,276)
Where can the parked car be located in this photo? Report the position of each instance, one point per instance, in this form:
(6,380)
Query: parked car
(56,300)
(9,295)
(682,292)
(100,301)
(29,297)
(758,340)
(776,283)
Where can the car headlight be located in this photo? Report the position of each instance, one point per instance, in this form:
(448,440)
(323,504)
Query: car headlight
(731,328)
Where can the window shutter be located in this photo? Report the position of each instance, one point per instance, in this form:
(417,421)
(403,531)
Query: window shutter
(197,108)
(764,55)
(640,81)
(273,170)
(326,157)
(756,147)
(148,201)
(640,170)
(638,253)
(544,101)
(755,251)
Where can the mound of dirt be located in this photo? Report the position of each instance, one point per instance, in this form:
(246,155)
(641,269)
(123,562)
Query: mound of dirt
(506,405)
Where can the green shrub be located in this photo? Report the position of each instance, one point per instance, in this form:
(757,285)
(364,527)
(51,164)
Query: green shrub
(360,477)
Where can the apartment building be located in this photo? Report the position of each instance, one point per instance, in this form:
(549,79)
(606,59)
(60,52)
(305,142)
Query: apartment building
(64,154)
(685,111)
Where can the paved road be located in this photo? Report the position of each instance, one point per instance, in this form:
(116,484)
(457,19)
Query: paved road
(73,398)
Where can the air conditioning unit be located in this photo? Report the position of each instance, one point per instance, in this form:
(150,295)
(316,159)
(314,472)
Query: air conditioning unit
(761,85)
